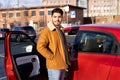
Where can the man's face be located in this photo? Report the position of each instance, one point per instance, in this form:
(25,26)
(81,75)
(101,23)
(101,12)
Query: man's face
(57,19)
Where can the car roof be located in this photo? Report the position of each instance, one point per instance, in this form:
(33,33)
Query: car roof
(113,29)
(103,25)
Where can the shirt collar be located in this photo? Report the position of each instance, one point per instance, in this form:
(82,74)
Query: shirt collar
(51,26)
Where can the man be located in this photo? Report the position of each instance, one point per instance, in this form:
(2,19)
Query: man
(52,45)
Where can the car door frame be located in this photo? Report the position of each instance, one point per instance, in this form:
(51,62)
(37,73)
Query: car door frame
(10,69)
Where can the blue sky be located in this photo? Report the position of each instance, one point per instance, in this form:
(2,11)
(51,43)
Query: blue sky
(27,3)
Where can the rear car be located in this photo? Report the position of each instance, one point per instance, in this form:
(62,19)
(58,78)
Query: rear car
(29,30)
(71,30)
(3,31)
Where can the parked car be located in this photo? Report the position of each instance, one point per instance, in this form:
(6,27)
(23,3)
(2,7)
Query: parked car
(29,30)
(71,30)
(95,55)
(70,33)
(3,31)
(96,52)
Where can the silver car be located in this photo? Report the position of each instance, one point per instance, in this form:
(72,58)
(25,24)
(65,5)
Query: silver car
(29,30)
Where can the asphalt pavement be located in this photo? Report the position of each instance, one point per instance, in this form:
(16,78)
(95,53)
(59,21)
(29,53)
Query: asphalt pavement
(2,70)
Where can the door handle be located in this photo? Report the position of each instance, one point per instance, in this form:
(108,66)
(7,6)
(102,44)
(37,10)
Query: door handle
(33,59)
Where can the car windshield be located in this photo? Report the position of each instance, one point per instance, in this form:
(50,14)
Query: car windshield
(4,30)
(28,28)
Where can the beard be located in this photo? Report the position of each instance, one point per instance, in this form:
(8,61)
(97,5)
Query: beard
(56,23)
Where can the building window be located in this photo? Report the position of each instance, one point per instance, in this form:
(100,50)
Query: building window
(18,14)
(3,14)
(42,24)
(10,14)
(4,25)
(50,12)
(33,13)
(18,23)
(25,13)
(26,23)
(41,13)
(11,25)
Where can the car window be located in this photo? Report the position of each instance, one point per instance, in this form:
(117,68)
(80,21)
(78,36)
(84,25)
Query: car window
(71,30)
(4,30)
(70,39)
(13,29)
(28,28)
(20,44)
(89,41)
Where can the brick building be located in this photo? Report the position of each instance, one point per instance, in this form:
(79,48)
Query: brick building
(38,16)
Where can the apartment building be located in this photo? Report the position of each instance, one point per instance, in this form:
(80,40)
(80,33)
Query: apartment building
(59,2)
(39,16)
(104,11)
(103,7)
(79,3)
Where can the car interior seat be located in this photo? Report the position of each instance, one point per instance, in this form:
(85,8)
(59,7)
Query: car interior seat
(90,45)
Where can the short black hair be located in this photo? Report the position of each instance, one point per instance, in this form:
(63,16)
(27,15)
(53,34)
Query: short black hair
(57,10)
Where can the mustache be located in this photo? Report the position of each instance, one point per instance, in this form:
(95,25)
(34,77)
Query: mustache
(57,21)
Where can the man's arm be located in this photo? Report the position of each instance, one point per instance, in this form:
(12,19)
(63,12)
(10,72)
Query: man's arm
(42,45)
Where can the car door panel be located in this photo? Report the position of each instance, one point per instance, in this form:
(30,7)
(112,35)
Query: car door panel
(93,66)
(22,61)
(115,70)
(27,66)
(95,55)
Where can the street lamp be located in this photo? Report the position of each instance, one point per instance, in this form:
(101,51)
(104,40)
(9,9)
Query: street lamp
(67,10)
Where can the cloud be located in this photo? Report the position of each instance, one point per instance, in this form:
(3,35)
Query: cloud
(26,3)
(29,3)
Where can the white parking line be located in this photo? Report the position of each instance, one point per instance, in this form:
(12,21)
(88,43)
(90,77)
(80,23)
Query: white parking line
(1,56)
(3,78)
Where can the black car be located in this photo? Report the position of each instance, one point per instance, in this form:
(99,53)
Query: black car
(29,30)
(3,31)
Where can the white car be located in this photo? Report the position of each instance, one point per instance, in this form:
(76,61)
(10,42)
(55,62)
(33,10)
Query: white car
(3,31)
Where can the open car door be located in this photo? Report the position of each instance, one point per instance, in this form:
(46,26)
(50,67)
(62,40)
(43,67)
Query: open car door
(22,61)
